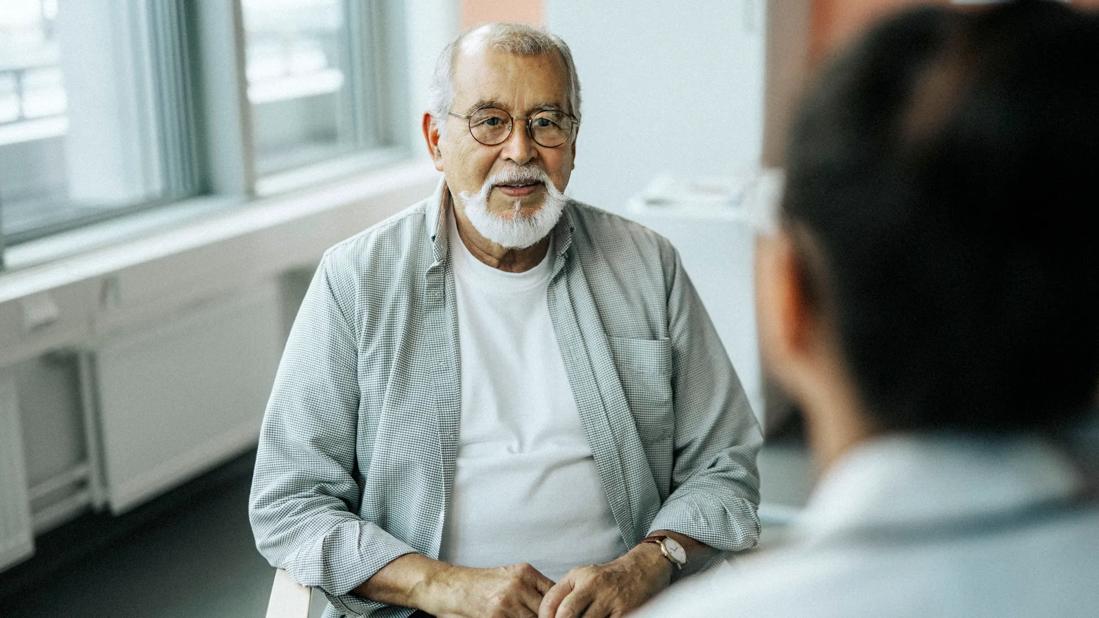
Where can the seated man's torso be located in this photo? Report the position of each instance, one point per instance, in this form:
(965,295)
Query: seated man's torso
(526,488)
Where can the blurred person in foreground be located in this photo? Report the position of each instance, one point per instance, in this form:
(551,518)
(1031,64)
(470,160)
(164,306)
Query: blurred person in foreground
(500,401)
(929,295)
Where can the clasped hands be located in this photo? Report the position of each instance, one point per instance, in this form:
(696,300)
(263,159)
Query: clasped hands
(594,591)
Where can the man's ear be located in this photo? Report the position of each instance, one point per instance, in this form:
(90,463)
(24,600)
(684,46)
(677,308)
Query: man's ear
(785,316)
(431,139)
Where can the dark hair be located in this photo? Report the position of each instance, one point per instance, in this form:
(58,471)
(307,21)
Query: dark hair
(942,190)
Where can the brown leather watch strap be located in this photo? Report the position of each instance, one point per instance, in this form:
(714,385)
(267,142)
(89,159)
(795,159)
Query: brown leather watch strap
(658,539)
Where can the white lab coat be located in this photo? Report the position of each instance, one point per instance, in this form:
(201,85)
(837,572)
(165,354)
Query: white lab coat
(923,526)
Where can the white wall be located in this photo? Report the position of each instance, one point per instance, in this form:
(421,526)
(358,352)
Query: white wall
(431,25)
(667,86)
(675,87)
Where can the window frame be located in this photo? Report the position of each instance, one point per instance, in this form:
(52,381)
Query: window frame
(377,61)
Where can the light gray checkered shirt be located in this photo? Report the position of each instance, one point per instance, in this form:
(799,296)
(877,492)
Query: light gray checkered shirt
(357,452)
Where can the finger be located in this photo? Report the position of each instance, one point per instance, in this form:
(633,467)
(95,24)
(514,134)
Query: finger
(531,599)
(527,612)
(542,583)
(599,608)
(553,598)
(535,586)
(574,605)
(595,611)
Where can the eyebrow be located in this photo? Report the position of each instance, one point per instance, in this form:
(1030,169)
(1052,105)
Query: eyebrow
(537,107)
(547,106)
(483,103)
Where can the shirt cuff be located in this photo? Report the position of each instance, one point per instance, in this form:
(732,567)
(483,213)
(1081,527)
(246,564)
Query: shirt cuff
(726,525)
(349,554)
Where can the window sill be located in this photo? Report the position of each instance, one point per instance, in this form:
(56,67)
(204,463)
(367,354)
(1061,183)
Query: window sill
(278,183)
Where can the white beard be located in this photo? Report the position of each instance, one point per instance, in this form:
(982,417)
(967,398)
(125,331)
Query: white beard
(519,231)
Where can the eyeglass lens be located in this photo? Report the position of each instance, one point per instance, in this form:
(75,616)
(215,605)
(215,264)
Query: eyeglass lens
(491,126)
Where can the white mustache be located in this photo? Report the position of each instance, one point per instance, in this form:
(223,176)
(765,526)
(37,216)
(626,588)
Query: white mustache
(519,175)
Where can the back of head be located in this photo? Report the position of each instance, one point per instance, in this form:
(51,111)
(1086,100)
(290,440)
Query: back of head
(942,192)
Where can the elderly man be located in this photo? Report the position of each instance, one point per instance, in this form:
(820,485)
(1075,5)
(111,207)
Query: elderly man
(930,296)
(502,402)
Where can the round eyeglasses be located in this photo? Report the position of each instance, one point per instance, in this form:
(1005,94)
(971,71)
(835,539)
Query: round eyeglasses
(492,126)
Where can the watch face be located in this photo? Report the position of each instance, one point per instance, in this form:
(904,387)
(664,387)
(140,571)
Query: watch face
(675,550)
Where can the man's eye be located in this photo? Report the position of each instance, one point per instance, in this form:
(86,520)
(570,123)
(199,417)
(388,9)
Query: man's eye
(543,123)
(491,121)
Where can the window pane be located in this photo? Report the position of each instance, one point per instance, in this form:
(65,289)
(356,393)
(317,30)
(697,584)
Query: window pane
(33,122)
(301,83)
(81,126)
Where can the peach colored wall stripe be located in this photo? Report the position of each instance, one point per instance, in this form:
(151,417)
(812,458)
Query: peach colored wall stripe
(834,22)
(476,12)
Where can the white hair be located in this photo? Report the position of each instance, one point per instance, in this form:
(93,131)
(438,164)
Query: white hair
(518,39)
(517,231)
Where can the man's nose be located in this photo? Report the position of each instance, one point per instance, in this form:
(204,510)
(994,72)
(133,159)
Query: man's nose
(519,148)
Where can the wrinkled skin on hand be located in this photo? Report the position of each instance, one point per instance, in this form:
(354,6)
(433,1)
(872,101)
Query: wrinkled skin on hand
(610,589)
(503,592)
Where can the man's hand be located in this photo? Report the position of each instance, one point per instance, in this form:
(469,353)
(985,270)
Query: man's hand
(610,589)
(449,591)
(502,592)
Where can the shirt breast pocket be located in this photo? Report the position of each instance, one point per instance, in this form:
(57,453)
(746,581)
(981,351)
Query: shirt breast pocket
(645,370)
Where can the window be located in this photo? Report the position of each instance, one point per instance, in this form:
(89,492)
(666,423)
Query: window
(94,112)
(33,122)
(113,107)
(311,82)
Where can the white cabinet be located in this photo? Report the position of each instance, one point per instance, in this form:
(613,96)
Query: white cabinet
(183,394)
(16,532)
(165,398)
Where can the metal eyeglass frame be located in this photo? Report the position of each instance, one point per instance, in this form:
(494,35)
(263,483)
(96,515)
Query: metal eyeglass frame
(528,119)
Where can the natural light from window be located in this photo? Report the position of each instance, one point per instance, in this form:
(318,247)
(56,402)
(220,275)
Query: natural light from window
(298,56)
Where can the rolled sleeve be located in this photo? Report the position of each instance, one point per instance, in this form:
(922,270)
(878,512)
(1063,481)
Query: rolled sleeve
(715,481)
(722,522)
(305,498)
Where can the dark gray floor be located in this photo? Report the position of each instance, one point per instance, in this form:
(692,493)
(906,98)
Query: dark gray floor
(196,561)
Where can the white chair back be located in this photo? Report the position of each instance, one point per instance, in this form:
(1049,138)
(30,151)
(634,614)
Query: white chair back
(289,599)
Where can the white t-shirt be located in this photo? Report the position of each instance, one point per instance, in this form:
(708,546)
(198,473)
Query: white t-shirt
(526,488)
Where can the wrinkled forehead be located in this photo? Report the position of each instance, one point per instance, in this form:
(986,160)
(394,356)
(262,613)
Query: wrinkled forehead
(515,82)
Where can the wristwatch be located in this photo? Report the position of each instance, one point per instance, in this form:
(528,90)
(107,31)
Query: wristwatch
(670,547)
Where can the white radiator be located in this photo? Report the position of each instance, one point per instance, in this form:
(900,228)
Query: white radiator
(16,532)
(180,396)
